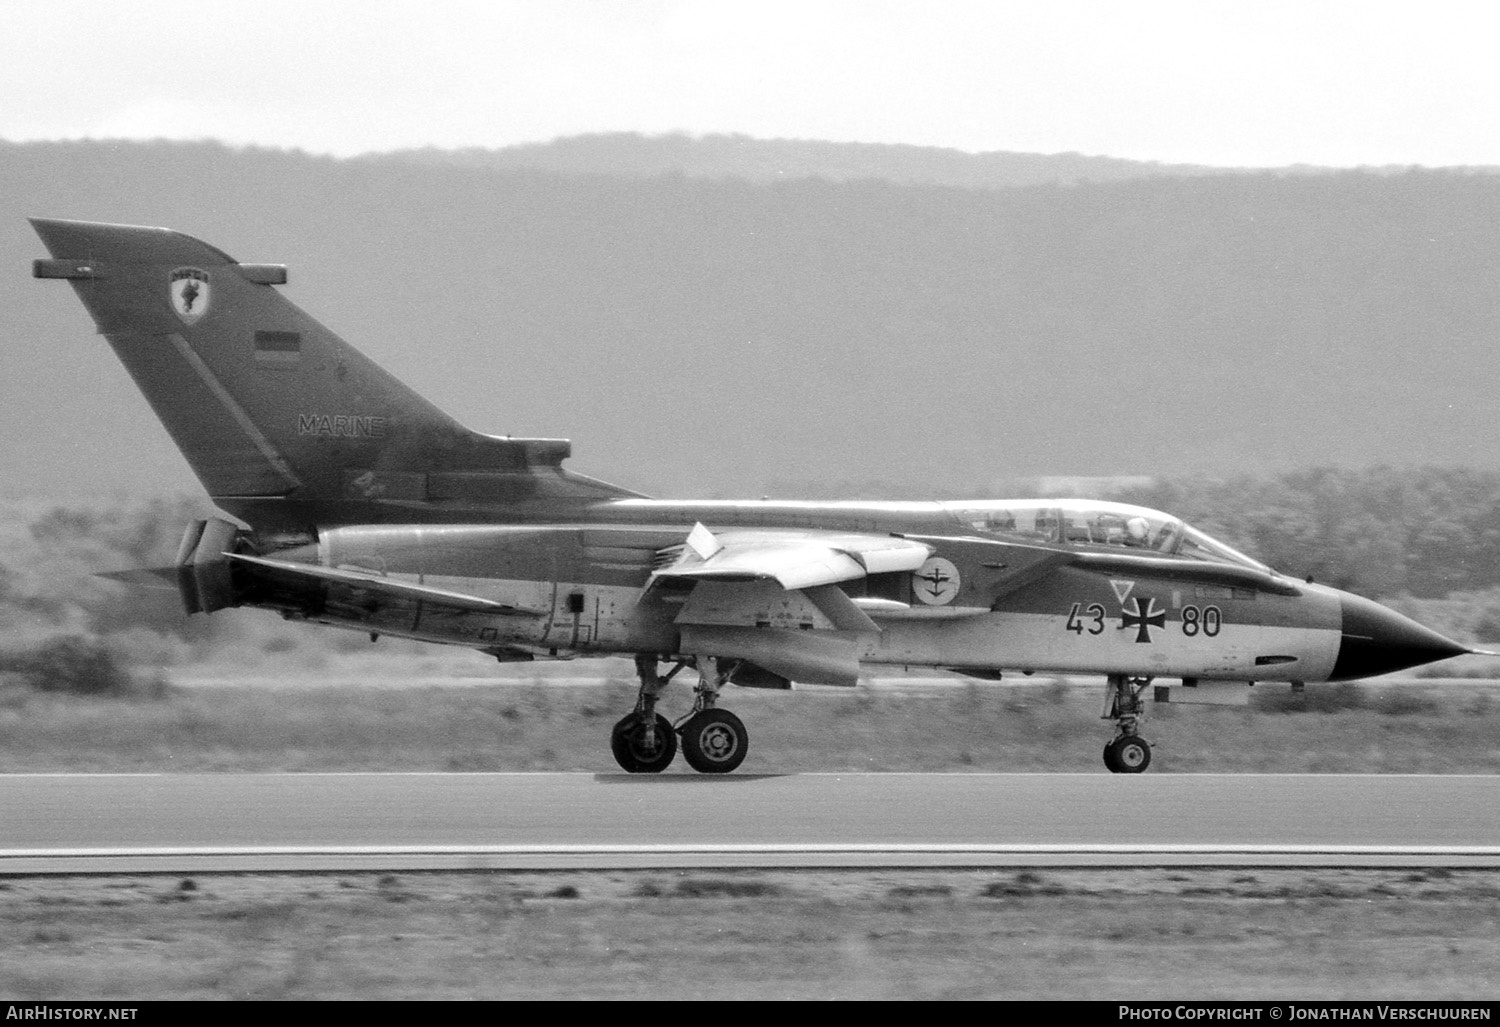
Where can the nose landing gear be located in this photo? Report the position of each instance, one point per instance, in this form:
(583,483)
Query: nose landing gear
(1127,752)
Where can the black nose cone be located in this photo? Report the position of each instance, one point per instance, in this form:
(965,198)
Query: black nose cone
(1378,641)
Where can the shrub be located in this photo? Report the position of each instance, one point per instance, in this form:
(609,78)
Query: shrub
(71,665)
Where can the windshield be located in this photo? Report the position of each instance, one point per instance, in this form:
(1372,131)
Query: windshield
(1201,547)
(1095,523)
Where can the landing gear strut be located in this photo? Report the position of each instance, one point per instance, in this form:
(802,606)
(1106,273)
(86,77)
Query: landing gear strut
(1127,752)
(643,742)
(714,741)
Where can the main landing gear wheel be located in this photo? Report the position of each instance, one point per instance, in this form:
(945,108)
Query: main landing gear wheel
(714,741)
(632,750)
(1128,754)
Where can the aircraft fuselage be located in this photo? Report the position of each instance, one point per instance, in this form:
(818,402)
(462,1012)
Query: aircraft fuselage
(589,585)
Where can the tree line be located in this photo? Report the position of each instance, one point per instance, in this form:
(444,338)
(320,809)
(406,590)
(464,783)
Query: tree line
(1425,532)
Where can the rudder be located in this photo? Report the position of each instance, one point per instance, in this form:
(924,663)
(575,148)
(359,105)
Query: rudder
(265,402)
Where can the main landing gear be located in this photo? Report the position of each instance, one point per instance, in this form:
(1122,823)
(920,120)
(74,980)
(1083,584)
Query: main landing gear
(644,743)
(714,741)
(1127,752)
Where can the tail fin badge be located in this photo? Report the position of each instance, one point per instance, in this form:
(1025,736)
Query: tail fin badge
(190,293)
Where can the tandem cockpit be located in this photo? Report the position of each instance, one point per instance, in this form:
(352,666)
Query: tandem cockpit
(1096,523)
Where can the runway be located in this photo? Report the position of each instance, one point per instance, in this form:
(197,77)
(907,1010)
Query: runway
(71,823)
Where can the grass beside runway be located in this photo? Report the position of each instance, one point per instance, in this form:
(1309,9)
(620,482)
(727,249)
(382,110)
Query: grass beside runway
(292,724)
(1105,934)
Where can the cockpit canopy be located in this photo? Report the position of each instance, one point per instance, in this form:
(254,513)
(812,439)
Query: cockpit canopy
(1095,523)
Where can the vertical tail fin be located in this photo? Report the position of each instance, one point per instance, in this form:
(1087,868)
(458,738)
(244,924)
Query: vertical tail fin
(271,409)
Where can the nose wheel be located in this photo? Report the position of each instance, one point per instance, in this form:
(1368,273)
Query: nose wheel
(1128,752)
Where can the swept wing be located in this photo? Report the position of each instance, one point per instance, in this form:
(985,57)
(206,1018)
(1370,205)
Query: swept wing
(770,597)
(793,558)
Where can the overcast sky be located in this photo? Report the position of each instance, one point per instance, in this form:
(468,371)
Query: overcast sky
(1258,83)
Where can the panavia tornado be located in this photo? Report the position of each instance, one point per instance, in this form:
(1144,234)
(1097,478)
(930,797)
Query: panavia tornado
(359,504)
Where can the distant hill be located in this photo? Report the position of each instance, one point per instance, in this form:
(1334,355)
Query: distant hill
(779,160)
(726,336)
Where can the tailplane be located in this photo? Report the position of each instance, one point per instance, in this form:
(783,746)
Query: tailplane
(281,420)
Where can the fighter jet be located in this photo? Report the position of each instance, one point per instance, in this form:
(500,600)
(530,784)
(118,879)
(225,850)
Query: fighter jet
(358,504)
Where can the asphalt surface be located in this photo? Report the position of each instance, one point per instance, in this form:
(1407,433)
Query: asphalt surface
(60,823)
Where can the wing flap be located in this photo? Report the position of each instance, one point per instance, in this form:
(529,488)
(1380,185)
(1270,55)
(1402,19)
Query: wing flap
(387,587)
(792,558)
(790,567)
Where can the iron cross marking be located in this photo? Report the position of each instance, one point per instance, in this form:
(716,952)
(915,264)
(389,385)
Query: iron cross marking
(1143,620)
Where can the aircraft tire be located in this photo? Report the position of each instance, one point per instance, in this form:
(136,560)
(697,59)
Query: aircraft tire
(1128,754)
(714,741)
(1109,758)
(627,744)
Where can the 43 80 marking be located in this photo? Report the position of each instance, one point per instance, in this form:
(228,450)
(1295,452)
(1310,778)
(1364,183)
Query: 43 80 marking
(1196,620)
